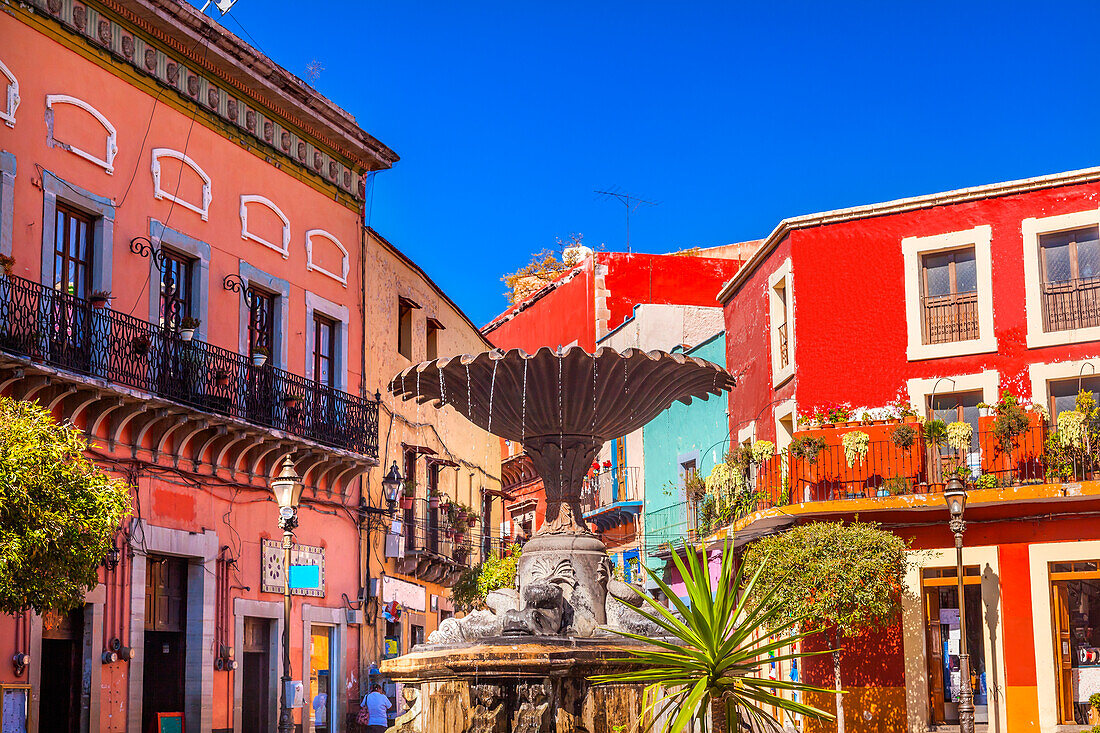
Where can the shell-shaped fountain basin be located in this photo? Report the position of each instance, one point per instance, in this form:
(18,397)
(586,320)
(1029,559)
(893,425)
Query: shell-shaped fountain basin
(605,395)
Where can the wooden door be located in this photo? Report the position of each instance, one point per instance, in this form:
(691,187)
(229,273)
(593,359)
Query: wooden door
(934,640)
(1063,651)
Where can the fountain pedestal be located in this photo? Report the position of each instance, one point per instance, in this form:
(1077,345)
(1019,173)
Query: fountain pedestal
(502,685)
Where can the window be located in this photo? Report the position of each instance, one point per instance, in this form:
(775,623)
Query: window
(261,321)
(416,635)
(781,316)
(432,341)
(949,294)
(405,308)
(1070,270)
(433,514)
(324,340)
(958,407)
(1063,392)
(944,641)
(949,300)
(486,526)
(175,289)
(409,514)
(1062,278)
(72,272)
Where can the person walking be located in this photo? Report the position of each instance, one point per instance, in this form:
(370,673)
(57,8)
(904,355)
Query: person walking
(377,706)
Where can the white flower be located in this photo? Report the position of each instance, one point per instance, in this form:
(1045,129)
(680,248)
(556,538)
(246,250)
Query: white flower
(856,444)
(1071,428)
(959,435)
(762,450)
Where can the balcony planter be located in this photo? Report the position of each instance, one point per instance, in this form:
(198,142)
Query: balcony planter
(139,345)
(186,334)
(99,299)
(433,501)
(290,402)
(259,358)
(221,378)
(407,502)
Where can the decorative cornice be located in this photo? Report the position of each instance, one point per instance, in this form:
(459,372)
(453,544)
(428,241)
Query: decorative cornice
(229,81)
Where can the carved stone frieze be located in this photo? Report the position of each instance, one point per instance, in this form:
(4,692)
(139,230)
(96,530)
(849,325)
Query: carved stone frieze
(150,59)
(488,711)
(533,714)
(80,17)
(104,32)
(128,47)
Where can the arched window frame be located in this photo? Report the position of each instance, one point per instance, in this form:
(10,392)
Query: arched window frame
(247,199)
(342,278)
(108,162)
(160,193)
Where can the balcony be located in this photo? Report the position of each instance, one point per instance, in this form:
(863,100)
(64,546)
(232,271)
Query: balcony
(950,318)
(1071,304)
(797,481)
(428,547)
(612,497)
(58,336)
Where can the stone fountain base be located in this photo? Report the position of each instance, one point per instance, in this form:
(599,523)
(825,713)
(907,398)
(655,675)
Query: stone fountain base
(503,685)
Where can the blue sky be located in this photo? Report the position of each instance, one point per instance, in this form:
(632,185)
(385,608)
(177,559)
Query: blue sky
(733,116)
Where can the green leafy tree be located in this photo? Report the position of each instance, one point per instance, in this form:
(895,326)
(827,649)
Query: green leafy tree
(58,511)
(829,576)
(475,584)
(714,652)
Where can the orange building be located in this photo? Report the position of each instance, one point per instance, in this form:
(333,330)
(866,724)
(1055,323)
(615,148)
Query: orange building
(193,288)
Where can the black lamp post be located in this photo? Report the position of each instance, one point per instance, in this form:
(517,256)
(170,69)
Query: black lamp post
(287,488)
(954,493)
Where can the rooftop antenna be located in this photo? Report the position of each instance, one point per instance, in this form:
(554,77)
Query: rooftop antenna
(630,202)
(223,5)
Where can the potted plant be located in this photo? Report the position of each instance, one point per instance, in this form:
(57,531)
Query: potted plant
(1010,423)
(433,499)
(259,356)
(139,345)
(100,298)
(856,445)
(959,435)
(290,401)
(935,432)
(221,378)
(903,436)
(1094,708)
(7,264)
(187,328)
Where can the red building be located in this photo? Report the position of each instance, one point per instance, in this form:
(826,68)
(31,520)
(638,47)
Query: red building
(583,307)
(939,304)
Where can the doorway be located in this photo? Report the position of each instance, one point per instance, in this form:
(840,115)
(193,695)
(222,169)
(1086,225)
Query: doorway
(320,678)
(944,642)
(165,625)
(1075,587)
(255,676)
(62,671)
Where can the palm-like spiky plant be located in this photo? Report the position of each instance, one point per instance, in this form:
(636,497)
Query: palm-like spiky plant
(714,655)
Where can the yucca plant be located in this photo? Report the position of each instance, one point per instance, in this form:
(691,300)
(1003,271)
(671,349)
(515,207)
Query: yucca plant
(714,654)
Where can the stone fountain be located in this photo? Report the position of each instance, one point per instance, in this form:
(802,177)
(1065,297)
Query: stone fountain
(523,665)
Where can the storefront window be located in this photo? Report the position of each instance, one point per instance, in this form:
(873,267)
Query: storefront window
(1076,590)
(945,643)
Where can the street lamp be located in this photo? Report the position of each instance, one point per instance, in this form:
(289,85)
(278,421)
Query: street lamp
(954,493)
(391,486)
(287,487)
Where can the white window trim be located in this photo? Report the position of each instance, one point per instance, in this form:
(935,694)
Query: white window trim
(338,313)
(12,96)
(1031,229)
(159,193)
(247,199)
(781,275)
(108,162)
(747,433)
(920,390)
(782,410)
(1041,554)
(913,637)
(912,248)
(1043,374)
(310,265)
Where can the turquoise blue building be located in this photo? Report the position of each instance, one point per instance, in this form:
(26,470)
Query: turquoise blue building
(682,439)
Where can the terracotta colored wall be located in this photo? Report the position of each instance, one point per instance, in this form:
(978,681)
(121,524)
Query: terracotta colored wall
(233,171)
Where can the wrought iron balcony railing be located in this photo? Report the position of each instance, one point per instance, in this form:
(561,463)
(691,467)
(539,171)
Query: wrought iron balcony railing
(55,328)
(1071,304)
(949,318)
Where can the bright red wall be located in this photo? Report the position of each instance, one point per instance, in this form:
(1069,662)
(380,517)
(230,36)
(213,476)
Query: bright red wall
(562,316)
(662,279)
(748,351)
(849,299)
